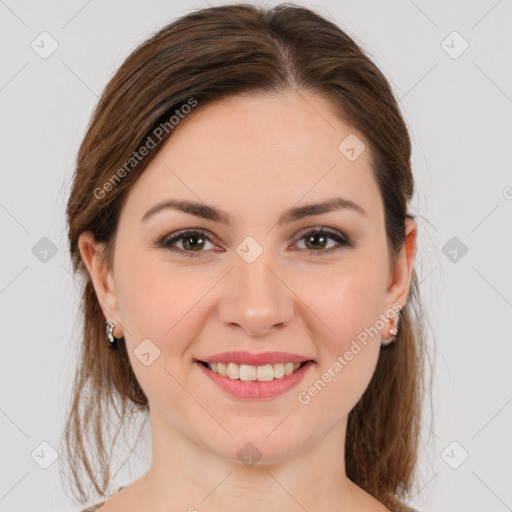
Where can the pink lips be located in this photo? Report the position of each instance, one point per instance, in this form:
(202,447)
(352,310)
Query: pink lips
(240,357)
(255,390)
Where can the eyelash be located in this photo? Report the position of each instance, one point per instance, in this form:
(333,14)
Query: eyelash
(166,242)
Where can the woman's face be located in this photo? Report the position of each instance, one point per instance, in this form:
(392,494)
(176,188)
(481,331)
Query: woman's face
(263,283)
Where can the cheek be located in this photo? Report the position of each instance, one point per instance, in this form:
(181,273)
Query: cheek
(142,301)
(163,304)
(345,308)
(170,305)
(346,313)
(345,303)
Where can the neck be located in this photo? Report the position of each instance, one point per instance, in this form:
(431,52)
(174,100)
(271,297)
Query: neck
(191,477)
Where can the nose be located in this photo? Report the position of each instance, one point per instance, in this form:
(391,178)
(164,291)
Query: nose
(255,298)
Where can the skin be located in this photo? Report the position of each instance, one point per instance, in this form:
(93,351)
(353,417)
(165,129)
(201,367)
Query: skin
(252,156)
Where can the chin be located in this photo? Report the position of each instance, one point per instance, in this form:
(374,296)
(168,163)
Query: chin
(255,446)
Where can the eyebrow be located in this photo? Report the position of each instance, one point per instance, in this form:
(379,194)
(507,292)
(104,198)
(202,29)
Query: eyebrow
(293,214)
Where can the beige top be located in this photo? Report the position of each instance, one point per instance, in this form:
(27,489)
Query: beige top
(94,508)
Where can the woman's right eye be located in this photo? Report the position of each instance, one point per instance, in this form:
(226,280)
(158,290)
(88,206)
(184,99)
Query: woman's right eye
(192,241)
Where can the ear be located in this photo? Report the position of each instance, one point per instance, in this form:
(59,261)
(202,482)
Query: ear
(401,274)
(102,279)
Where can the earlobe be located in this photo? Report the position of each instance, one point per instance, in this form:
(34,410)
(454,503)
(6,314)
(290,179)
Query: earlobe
(398,290)
(92,255)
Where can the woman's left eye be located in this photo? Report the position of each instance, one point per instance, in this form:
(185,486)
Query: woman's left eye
(193,241)
(321,236)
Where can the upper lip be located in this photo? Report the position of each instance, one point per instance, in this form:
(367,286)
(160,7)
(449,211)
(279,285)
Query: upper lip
(248,358)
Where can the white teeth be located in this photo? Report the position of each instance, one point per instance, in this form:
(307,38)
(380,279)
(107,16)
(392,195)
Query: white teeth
(221,369)
(233,371)
(288,368)
(265,373)
(245,372)
(278,370)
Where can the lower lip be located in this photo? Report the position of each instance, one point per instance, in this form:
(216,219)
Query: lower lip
(254,390)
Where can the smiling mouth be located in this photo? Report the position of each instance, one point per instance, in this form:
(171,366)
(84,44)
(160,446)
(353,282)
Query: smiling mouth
(247,373)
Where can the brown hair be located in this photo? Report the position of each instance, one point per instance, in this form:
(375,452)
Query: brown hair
(205,55)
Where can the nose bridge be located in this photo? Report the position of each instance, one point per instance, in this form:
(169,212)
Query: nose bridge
(258,301)
(255,278)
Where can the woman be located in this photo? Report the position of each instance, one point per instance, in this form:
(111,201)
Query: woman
(239,214)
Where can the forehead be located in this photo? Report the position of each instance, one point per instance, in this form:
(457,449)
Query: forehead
(260,150)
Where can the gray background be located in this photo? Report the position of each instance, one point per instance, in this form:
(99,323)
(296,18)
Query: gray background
(459,110)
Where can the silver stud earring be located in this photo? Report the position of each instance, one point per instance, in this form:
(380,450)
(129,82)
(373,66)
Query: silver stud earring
(109,328)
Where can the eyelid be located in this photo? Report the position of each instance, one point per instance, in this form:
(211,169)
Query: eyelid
(327,230)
